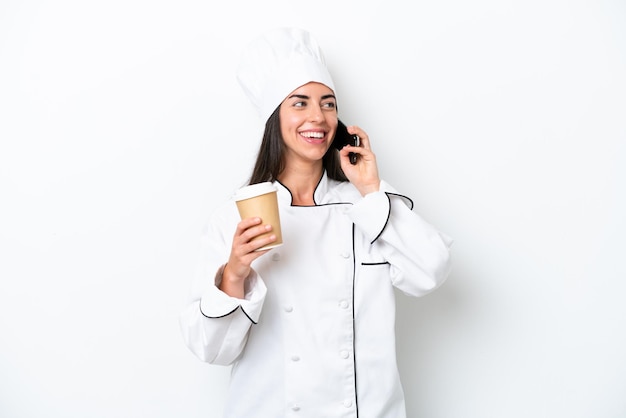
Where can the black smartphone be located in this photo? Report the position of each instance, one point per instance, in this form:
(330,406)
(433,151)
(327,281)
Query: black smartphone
(343,138)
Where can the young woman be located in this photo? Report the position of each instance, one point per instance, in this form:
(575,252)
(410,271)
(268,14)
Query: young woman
(309,326)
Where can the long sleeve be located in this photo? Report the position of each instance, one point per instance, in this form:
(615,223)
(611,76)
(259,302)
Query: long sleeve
(214,325)
(418,254)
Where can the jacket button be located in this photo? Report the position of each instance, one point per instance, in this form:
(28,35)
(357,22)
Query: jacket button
(295,358)
(347,403)
(343,304)
(345,255)
(294,407)
(344,353)
(288,309)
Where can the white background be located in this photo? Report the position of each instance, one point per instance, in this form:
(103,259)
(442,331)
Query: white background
(122,126)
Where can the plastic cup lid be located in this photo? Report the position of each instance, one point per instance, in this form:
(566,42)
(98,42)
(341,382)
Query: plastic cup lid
(254,190)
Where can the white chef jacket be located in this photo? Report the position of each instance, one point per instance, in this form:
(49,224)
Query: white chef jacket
(314,335)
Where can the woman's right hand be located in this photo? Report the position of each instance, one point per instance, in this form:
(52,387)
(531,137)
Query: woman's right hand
(243,253)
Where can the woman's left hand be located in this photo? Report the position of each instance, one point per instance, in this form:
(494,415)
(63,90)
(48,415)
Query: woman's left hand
(364,174)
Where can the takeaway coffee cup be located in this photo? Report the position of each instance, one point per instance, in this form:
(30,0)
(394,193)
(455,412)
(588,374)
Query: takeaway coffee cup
(260,200)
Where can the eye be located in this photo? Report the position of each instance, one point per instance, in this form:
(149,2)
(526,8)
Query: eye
(300,103)
(329,105)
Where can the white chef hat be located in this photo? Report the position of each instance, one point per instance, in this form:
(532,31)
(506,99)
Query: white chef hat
(278,62)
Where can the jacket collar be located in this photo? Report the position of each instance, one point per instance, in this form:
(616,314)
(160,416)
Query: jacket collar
(319,195)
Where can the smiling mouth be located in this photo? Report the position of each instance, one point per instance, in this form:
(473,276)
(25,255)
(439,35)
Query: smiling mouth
(316,135)
(313,137)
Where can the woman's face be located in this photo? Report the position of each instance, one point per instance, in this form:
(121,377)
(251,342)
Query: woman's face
(308,121)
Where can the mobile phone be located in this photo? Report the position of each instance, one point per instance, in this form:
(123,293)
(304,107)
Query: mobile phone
(343,138)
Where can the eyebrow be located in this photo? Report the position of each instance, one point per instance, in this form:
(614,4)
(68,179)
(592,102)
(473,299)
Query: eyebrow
(302,96)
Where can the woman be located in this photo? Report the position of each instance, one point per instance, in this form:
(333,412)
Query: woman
(309,326)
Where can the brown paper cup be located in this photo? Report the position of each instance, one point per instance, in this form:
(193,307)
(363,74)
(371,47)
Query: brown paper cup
(260,200)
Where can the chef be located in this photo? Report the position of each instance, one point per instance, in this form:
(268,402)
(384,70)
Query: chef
(309,326)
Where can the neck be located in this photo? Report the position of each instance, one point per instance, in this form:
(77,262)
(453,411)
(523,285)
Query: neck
(301,182)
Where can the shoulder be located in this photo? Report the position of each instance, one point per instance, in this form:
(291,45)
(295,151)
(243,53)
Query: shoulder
(224,213)
(346,192)
(342,191)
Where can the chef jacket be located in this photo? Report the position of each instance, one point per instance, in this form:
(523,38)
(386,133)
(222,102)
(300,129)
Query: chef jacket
(314,335)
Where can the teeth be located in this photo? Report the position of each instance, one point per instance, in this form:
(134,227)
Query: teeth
(313,134)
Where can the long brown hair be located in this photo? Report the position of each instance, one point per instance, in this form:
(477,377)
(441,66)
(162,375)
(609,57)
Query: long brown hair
(270,161)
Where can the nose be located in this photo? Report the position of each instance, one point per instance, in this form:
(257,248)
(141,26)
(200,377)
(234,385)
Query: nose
(315,114)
